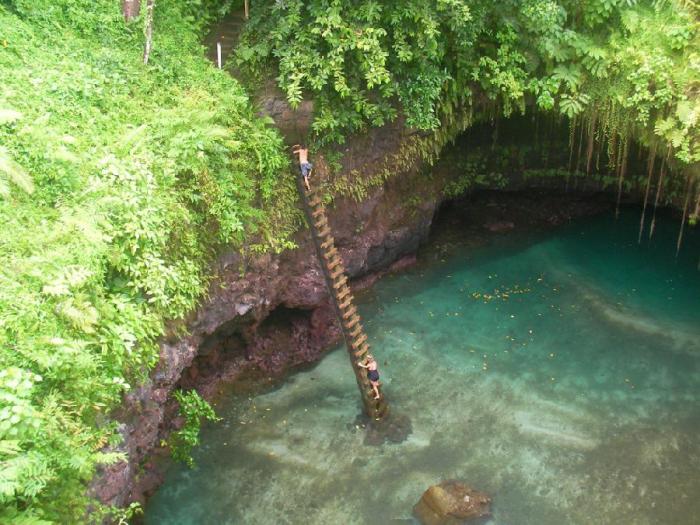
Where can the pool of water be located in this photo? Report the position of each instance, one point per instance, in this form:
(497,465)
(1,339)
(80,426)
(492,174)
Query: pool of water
(559,372)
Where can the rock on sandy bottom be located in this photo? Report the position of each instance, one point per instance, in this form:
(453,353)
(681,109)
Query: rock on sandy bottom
(451,503)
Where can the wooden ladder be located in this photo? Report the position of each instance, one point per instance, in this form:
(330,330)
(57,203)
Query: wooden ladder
(341,295)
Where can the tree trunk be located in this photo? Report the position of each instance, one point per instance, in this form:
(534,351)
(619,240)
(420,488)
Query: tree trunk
(150,5)
(131,9)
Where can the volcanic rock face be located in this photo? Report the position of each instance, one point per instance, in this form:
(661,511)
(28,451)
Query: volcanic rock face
(451,503)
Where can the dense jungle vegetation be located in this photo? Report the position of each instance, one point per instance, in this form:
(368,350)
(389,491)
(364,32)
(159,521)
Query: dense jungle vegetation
(120,182)
(619,70)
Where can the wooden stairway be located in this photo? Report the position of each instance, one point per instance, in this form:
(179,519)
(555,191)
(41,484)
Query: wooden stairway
(337,282)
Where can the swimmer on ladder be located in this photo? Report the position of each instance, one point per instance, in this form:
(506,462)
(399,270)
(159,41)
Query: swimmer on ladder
(372,373)
(304,163)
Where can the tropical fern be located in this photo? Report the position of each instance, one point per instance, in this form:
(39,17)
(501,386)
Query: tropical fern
(11,171)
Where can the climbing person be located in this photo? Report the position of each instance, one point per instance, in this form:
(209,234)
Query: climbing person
(372,373)
(304,163)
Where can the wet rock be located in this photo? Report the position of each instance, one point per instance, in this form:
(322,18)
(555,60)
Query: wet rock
(451,503)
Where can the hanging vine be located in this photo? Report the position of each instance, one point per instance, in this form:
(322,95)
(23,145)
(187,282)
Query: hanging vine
(650,171)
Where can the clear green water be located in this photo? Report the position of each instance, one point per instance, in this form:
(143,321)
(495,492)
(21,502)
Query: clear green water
(573,402)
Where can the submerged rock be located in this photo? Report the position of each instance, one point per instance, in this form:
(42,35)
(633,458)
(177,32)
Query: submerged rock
(451,503)
(393,428)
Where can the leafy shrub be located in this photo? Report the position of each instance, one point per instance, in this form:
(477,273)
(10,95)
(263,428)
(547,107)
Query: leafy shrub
(193,409)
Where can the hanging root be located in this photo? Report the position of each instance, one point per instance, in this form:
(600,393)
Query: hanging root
(650,171)
(658,193)
(591,138)
(572,138)
(685,214)
(621,169)
(580,147)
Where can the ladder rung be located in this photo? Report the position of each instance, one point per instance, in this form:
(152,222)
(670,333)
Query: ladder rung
(358,342)
(342,293)
(355,331)
(346,303)
(352,322)
(340,282)
(330,253)
(352,311)
(327,243)
(337,273)
(362,351)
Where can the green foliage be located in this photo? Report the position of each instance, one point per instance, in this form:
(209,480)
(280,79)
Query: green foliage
(473,175)
(632,63)
(193,409)
(119,183)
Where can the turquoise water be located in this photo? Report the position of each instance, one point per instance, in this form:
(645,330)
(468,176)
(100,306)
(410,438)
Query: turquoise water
(559,372)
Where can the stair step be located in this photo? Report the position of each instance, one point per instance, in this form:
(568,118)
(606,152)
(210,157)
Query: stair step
(325,232)
(346,303)
(327,243)
(315,201)
(352,311)
(342,293)
(352,322)
(340,282)
(330,253)
(358,342)
(321,222)
(318,211)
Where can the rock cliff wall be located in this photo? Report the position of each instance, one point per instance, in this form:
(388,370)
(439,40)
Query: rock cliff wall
(269,312)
